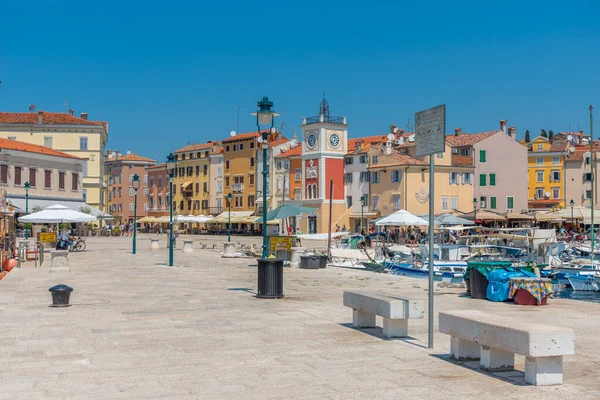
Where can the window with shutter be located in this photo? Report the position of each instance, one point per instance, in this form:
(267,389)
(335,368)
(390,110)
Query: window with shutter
(47,179)
(75,182)
(482,180)
(510,202)
(4,173)
(492,179)
(492,203)
(482,156)
(18,175)
(32,176)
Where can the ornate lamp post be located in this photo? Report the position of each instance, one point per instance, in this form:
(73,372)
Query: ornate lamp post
(265,116)
(27,186)
(135,182)
(475,210)
(229,197)
(362,213)
(572,203)
(171,170)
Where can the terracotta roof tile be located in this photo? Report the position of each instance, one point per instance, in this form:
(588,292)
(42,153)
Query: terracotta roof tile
(278,142)
(468,139)
(33,148)
(195,147)
(294,151)
(367,142)
(579,152)
(558,146)
(129,157)
(242,136)
(157,166)
(50,118)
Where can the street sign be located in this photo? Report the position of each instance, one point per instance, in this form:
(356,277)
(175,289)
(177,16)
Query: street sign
(430,131)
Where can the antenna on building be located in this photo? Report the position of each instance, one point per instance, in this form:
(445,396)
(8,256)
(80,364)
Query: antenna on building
(32,107)
(128,152)
(66,107)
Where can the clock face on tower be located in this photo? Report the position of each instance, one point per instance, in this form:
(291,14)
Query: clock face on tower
(311,141)
(334,140)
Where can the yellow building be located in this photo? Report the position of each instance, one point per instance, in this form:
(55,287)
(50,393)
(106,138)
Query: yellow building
(240,171)
(546,166)
(191,184)
(77,136)
(400,180)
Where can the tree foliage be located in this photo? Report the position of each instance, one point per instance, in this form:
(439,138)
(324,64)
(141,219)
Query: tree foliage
(544,134)
(527,136)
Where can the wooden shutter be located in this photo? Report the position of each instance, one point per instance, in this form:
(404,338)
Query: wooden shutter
(482,179)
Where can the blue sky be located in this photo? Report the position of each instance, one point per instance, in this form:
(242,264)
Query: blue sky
(167,73)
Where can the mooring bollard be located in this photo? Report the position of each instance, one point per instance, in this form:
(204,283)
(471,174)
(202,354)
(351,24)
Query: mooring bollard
(228,249)
(60,295)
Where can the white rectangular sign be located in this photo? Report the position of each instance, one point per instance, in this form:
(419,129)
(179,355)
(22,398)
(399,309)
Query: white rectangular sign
(430,131)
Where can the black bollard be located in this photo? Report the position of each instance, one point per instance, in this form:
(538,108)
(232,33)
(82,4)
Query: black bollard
(60,295)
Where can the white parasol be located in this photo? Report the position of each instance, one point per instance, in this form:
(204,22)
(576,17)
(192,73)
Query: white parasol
(57,214)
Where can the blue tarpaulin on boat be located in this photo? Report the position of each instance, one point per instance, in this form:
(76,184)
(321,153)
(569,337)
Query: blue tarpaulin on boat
(497,289)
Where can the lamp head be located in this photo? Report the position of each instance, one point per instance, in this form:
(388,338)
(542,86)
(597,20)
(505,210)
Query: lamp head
(474,201)
(27,186)
(572,203)
(265,115)
(135,182)
(171,164)
(229,196)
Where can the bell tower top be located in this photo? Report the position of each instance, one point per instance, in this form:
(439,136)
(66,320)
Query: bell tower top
(324,107)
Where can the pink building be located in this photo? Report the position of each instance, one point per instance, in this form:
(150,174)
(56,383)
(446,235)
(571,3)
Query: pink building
(158,190)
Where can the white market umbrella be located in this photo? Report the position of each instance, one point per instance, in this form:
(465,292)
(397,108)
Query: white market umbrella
(57,214)
(401,218)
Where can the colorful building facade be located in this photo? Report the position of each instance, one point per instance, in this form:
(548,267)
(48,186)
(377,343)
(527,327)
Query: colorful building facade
(191,183)
(546,163)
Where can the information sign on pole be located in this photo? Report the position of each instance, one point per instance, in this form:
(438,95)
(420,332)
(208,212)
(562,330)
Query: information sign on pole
(430,131)
(430,139)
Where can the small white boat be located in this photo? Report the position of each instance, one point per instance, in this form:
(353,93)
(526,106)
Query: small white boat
(584,283)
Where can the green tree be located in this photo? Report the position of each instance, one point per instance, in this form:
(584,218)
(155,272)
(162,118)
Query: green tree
(550,135)
(544,134)
(527,136)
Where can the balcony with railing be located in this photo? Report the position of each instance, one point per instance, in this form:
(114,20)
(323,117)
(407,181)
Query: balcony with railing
(319,119)
(462,161)
(237,187)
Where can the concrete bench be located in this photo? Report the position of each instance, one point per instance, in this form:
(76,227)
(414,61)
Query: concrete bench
(154,244)
(495,340)
(188,246)
(396,311)
(59,261)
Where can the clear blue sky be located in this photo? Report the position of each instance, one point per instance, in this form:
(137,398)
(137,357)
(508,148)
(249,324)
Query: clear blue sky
(163,73)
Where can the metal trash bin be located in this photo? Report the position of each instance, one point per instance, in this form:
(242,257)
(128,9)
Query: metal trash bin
(309,262)
(322,260)
(270,278)
(60,295)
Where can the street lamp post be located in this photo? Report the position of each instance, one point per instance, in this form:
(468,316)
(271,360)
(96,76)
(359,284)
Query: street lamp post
(171,168)
(593,166)
(572,203)
(265,116)
(229,197)
(135,182)
(27,186)
(475,210)
(362,213)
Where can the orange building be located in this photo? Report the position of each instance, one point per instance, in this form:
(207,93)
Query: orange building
(120,169)
(293,156)
(158,190)
(239,170)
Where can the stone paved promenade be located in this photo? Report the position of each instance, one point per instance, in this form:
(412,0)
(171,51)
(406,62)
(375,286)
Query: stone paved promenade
(141,330)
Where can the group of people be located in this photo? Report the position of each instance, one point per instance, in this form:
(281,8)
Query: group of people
(123,229)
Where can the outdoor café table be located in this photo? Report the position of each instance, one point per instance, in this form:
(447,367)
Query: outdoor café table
(538,288)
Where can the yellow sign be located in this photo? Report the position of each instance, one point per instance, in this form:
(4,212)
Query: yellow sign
(281,243)
(48,237)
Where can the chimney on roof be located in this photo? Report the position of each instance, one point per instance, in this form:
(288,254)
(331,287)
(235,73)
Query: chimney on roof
(40,117)
(83,116)
(503,125)
(512,132)
(358,147)
(457,131)
(581,131)
(387,150)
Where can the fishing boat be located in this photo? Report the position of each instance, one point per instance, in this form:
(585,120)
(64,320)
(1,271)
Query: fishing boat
(579,267)
(584,283)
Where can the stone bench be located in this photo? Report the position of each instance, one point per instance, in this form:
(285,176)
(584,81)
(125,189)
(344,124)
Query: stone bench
(494,340)
(396,311)
(59,261)
(154,245)
(188,246)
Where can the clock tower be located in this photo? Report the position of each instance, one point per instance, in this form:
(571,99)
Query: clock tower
(324,145)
